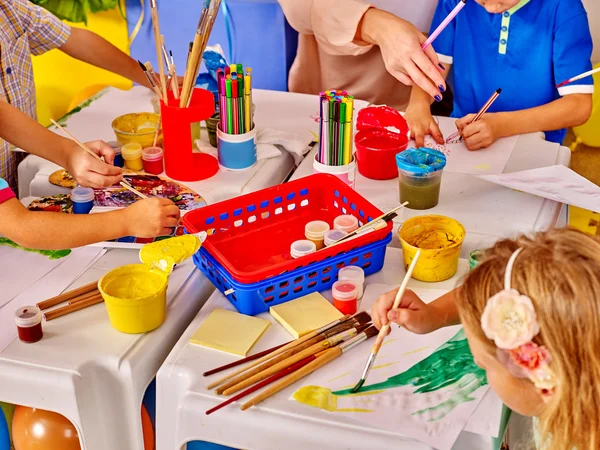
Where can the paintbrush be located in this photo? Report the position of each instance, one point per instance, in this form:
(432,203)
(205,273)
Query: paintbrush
(280,350)
(578,77)
(312,350)
(360,319)
(151,80)
(84,147)
(385,329)
(174,81)
(243,360)
(386,217)
(72,307)
(67,296)
(322,359)
(159,55)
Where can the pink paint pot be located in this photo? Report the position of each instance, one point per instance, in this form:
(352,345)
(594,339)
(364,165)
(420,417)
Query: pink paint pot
(376,151)
(152,158)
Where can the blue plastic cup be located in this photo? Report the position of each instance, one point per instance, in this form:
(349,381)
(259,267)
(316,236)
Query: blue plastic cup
(236,151)
(83,200)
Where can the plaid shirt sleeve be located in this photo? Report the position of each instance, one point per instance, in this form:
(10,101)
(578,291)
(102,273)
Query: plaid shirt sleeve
(45,31)
(6,193)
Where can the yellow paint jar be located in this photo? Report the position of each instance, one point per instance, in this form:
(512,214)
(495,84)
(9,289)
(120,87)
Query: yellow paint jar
(136,127)
(132,156)
(136,295)
(439,238)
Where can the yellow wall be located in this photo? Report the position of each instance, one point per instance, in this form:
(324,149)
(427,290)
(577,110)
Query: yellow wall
(60,79)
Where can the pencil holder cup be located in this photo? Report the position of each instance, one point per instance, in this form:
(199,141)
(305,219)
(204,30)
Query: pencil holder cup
(346,173)
(181,163)
(236,151)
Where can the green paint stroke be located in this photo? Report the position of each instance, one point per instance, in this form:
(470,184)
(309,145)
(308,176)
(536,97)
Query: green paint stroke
(51,254)
(450,366)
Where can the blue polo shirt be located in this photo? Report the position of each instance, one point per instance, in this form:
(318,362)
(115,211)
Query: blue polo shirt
(526,51)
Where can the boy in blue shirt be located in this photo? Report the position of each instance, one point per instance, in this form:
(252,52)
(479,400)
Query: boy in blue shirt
(525,47)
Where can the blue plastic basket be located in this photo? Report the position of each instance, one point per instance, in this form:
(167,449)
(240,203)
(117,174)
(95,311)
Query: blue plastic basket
(256,298)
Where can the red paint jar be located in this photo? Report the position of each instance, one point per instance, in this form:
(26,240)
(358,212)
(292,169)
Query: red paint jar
(376,152)
(29,324)
(345,296)
(152,158)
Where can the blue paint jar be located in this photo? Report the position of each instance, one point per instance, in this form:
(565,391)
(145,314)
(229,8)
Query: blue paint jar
(83,200)
(116,146)
(236,151)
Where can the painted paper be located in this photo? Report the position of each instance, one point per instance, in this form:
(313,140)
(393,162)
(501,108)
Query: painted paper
(491,160)
(558,183)
(425,387)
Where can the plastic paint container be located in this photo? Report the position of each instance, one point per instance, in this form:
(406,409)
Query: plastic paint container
(420,177)
(152,159)
(315,231)
(439,239)
(116,146)
(301,248)
(347,223)
(345,296)
(475,258)
(345,173)
(332,236)
(83,200)
(211,128)
(132,154)
(29,324)
(356,275)
(376,152)
(236,151)
(136,127)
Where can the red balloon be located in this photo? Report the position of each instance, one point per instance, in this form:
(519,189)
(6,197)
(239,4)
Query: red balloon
(37,429)
(147,430)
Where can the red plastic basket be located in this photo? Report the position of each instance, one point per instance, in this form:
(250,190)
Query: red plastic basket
(252,234)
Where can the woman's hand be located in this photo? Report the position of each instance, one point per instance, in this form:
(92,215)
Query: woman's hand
(421,124)
(400,43)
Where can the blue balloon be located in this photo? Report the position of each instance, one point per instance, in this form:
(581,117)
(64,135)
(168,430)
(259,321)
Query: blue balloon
(202,445)
(4,434)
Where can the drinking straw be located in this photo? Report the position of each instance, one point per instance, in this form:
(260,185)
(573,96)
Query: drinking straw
(444,24)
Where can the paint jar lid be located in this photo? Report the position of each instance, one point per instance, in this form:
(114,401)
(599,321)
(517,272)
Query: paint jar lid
(132,150)
(347,223)
(316,229)
(28,316)
(332,236)
(152,154)
(421,161)
(82,195)
(345,290)
(116,146)
(301,248)
(353,273)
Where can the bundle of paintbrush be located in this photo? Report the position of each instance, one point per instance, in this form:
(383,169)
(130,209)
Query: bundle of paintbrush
(75,300)
(336,119)
(293,360)
(235,99)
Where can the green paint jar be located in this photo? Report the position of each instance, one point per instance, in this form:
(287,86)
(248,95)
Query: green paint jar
(475,258)
(420,177)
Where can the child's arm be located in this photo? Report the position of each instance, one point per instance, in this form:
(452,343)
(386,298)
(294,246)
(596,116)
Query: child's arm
(414,314)
(56,231)
(418,114)
(93,49)
(565,112)
(22,131)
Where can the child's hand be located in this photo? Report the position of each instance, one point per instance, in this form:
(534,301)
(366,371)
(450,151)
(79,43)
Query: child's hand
(413,314)
(152,217)
(480,134)
(91,172)
(422,123)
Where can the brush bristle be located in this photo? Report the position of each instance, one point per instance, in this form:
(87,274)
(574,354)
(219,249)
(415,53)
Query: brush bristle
(362,318)
(361,328)
(371,331)
(142,66)
(356,388)
(148,66)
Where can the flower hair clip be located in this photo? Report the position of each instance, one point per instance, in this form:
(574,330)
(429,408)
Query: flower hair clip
(509,319)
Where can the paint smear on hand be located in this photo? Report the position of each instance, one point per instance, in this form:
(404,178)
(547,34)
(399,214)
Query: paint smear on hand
(51,254)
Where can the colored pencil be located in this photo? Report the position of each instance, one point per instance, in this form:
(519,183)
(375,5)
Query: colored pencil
(321,360)
(579,77)
(444,24)
(67,296)
(242,361)
(452,138)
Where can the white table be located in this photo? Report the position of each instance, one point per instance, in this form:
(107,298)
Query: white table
(280,110)
(487,211)
(277,423)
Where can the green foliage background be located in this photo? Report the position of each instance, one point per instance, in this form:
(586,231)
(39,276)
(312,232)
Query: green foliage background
(77,10)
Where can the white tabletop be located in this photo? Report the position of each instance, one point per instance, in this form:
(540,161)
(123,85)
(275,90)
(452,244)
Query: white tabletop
(182,397)
(486,210)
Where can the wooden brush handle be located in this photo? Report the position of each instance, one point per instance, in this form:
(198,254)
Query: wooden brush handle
(269,363)
(327,357)
(312,350)
(243,360)
(188,80)
(59,312)
(380,338)
(159,55)
(85,297)
(67,296)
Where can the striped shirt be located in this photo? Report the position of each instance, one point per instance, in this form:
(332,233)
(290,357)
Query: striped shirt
(25,29)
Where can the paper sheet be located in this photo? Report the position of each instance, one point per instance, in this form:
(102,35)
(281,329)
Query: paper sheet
(491,160)
(558,183)
(50,285)
(436,416)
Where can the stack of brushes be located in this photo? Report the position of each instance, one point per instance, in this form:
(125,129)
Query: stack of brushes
(288,363)
(336,114)
(235,99)
(72,301)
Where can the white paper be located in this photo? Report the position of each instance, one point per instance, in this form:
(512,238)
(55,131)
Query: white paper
(51,285)
(395,409)
(459,159)
(558,183)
